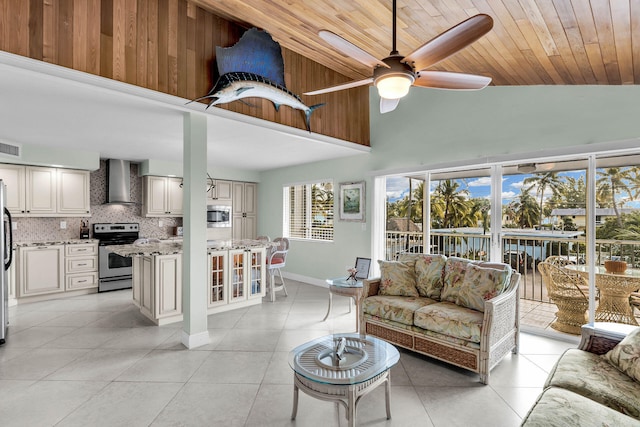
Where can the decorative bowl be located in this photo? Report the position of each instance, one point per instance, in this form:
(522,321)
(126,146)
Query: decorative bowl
(615,267)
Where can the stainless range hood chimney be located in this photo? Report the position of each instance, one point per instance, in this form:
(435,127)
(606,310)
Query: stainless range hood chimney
(118,181)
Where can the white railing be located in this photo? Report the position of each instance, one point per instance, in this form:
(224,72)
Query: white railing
(523,253)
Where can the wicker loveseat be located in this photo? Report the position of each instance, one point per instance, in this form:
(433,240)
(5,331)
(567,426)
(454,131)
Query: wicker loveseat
(462,312)
(594,385)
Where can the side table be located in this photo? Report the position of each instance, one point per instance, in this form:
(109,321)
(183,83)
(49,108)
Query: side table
(343,288)
(322,371)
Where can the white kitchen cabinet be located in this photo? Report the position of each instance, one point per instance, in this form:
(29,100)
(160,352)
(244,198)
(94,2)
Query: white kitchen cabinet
(162,196)
(136,279)
(246,274)
(42,191)
(81,266)
(73,192)
(221,190)
(46,192)
(244,210)
(218,278)
(14,178)
(41,270)
(160,283)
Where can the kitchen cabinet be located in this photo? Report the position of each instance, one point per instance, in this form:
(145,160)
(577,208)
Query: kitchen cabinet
(218,279)
(81,266)
(41,192)
(247,274)
(41,270)
(162,196)
(73,192)
(221,190)
(14,178)
(244,210)
(159,280)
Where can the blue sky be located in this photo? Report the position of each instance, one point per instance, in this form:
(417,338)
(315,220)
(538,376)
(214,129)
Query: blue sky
(397,187)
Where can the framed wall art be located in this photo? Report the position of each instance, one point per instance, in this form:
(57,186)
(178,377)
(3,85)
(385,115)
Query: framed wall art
(351,201)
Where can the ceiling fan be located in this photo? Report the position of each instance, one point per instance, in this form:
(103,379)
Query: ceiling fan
(395,74)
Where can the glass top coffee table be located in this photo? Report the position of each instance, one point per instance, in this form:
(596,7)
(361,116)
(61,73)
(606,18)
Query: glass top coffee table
(342,368)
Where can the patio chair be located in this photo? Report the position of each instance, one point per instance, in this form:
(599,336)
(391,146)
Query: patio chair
(566,292)
(560,261)
(634,301)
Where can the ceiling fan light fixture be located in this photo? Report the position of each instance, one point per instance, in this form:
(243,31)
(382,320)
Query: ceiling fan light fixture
(527,168)
(394,86)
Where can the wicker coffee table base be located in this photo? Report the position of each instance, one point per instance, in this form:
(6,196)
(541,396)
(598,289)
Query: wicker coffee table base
(347,394)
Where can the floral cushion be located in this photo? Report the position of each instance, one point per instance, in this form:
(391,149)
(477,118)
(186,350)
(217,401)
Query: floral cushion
(429,270)
(450,319)
(397,279)
(626,355)
(481,284)
(409,259)
(454,271)
(560,407)
(395,308)
(593,377)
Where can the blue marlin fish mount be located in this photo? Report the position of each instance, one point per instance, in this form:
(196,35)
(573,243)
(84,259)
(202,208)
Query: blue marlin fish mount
(253,68)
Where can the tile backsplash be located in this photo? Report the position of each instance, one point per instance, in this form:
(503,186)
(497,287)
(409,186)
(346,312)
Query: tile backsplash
(33,229)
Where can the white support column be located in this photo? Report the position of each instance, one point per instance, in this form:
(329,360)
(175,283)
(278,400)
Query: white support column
(194,254)
(591,235)
(496,214)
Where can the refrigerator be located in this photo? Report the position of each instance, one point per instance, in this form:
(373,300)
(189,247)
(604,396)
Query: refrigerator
(6,244)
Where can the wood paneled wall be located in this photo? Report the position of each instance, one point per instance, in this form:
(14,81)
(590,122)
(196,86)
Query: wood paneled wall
(169,46)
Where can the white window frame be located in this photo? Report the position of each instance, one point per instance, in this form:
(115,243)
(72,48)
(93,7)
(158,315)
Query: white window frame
(308,214)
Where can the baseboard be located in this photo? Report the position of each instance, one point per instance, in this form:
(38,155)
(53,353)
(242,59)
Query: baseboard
(306,279)
(195,340)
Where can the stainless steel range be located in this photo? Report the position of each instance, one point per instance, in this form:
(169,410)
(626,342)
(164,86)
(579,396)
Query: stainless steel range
(114,271)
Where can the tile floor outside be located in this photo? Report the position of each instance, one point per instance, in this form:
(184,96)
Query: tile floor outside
(94,360)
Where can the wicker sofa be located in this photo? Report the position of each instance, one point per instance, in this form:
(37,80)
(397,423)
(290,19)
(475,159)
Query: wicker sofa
(462,312)
(587,387)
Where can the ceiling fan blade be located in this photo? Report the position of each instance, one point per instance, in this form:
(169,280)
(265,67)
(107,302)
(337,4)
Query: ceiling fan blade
(341,87)
(447,80)
(350,49)
(387,105)
(449,42)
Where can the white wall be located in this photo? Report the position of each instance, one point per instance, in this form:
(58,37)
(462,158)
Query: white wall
(432,127)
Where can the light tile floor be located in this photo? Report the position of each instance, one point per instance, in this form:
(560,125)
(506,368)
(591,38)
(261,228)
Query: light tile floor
(94,360)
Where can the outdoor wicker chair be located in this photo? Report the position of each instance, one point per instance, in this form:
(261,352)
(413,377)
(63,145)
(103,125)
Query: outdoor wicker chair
(566,290)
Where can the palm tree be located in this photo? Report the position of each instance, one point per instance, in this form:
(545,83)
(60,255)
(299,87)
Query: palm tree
(525,210)
(611,182)
(450,204)
(541,181)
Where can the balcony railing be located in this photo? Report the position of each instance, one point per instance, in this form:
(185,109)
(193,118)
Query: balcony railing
(522,253)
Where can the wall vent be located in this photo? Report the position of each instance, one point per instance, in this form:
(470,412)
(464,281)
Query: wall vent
(10,149)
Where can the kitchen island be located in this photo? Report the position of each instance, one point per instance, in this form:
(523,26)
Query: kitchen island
(236,276)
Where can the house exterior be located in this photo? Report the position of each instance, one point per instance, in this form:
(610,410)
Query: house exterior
(578,215)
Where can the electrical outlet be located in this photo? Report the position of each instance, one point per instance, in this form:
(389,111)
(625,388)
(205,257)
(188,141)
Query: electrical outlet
(160,223)
(14,225)
(63,225)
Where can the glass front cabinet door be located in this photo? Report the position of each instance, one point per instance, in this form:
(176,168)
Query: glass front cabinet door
(218,282)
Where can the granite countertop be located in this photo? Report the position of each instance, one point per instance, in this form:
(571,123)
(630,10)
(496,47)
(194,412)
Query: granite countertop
(171,247)
(53,242)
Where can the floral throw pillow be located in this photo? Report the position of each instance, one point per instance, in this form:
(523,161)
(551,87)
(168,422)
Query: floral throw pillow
(429,272)
(454,271)
(481,284)
(397,279)
(626,355)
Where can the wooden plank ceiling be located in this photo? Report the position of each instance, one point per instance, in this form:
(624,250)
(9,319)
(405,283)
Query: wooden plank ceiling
(533,42)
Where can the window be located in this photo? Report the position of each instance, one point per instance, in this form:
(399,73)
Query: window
(308,211)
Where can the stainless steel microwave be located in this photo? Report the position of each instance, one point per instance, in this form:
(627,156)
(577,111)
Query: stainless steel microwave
(218,216)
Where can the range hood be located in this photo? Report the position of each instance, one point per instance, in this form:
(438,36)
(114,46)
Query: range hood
(118,181)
